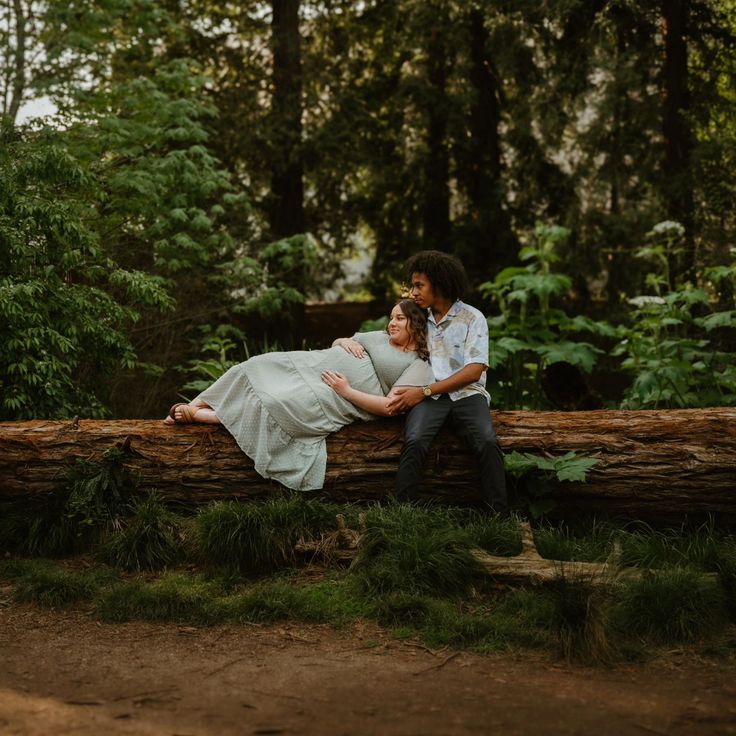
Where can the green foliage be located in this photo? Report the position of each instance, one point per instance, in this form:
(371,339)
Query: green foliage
(580,620)
(148,540)
(65,305)
(215,347)
(95,499)
(51,586)
(221,348)
(536,477)
(258,537)
(495,535)
(669,347)
(173,597)
(413,576)
(530,332)
(414,550)
(330,602)
(669,606)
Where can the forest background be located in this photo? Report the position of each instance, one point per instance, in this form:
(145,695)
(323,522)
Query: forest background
(209,166)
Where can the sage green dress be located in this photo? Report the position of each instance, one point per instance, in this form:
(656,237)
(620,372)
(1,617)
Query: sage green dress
(279,411)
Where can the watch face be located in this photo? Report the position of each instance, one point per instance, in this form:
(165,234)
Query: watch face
(427,391)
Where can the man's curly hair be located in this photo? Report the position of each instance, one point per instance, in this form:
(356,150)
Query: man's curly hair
(444,271)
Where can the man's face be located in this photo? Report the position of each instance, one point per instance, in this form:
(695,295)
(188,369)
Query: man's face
(421,290)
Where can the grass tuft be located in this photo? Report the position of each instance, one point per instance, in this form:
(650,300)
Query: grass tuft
(415,550)
(50,585)
(258,537)
(173,597)
(670,605)
(580,621)
(149,539)
(493,534)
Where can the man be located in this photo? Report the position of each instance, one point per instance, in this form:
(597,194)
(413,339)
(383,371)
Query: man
(457,335)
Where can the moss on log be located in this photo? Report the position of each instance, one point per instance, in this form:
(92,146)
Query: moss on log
(660,465)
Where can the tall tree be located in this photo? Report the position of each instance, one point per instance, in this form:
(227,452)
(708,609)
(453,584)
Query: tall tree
(677,183)
(287,187)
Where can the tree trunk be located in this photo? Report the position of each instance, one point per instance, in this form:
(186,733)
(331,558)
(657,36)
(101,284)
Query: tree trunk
(19,65)
(287,164)
(287,211)
(436,215)
(489,243)
(656,465)
(678,143)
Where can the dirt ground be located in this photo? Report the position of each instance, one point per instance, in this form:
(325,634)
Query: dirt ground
(65,673)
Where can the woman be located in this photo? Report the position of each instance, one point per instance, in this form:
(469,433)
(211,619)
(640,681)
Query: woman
(280,407)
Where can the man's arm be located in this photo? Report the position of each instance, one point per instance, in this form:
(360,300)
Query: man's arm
(405,397)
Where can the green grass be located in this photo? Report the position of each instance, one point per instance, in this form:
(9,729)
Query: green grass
(405,548)
(670,605)
(414,574)
(53,586)
(173,597)
(256,538)
(148,540)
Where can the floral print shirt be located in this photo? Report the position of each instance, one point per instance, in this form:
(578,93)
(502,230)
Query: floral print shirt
(459,339)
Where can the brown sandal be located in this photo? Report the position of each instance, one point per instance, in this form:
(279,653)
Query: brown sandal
(187,413)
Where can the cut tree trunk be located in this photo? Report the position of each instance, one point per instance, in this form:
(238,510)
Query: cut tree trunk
(656,465)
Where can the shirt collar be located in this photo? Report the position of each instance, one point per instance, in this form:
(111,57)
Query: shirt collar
(451,312)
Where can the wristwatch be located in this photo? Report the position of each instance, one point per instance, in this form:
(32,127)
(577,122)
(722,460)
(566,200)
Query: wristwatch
(427,391)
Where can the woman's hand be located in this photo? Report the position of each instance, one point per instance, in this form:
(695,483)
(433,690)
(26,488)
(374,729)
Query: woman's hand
(337,382)
(350,346)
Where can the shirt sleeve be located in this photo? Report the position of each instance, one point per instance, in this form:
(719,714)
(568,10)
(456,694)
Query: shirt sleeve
(476,342)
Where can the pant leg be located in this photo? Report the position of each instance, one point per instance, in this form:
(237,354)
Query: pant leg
(472,420)
(423,423)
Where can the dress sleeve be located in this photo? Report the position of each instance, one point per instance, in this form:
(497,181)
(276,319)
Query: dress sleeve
(365,337)
(419,373)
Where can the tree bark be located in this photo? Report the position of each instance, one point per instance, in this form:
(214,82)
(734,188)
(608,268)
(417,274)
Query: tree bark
(678,139)
(490,242)
(654,465)
(287,211)
(436,215)
(19,65)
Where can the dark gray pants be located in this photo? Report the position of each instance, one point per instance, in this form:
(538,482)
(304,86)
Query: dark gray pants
(471,420)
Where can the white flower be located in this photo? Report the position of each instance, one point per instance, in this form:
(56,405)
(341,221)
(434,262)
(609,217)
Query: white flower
(669,228)
(642,301)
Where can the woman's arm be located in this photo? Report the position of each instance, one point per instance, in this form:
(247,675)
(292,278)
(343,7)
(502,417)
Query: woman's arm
(369,402)
(406,397)
(350,346)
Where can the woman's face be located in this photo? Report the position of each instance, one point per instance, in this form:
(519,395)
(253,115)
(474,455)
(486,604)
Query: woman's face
(398,327)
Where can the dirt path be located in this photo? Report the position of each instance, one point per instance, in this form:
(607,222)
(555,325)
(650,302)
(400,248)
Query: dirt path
(63,673)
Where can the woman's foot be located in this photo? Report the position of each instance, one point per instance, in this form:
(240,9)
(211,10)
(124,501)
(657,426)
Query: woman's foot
(182,414)
(196,411)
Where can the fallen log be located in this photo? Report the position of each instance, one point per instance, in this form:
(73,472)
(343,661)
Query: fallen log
(658,465)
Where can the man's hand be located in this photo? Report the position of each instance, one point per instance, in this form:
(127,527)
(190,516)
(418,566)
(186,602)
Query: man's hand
(350,346)
(404,398)
(336,381)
